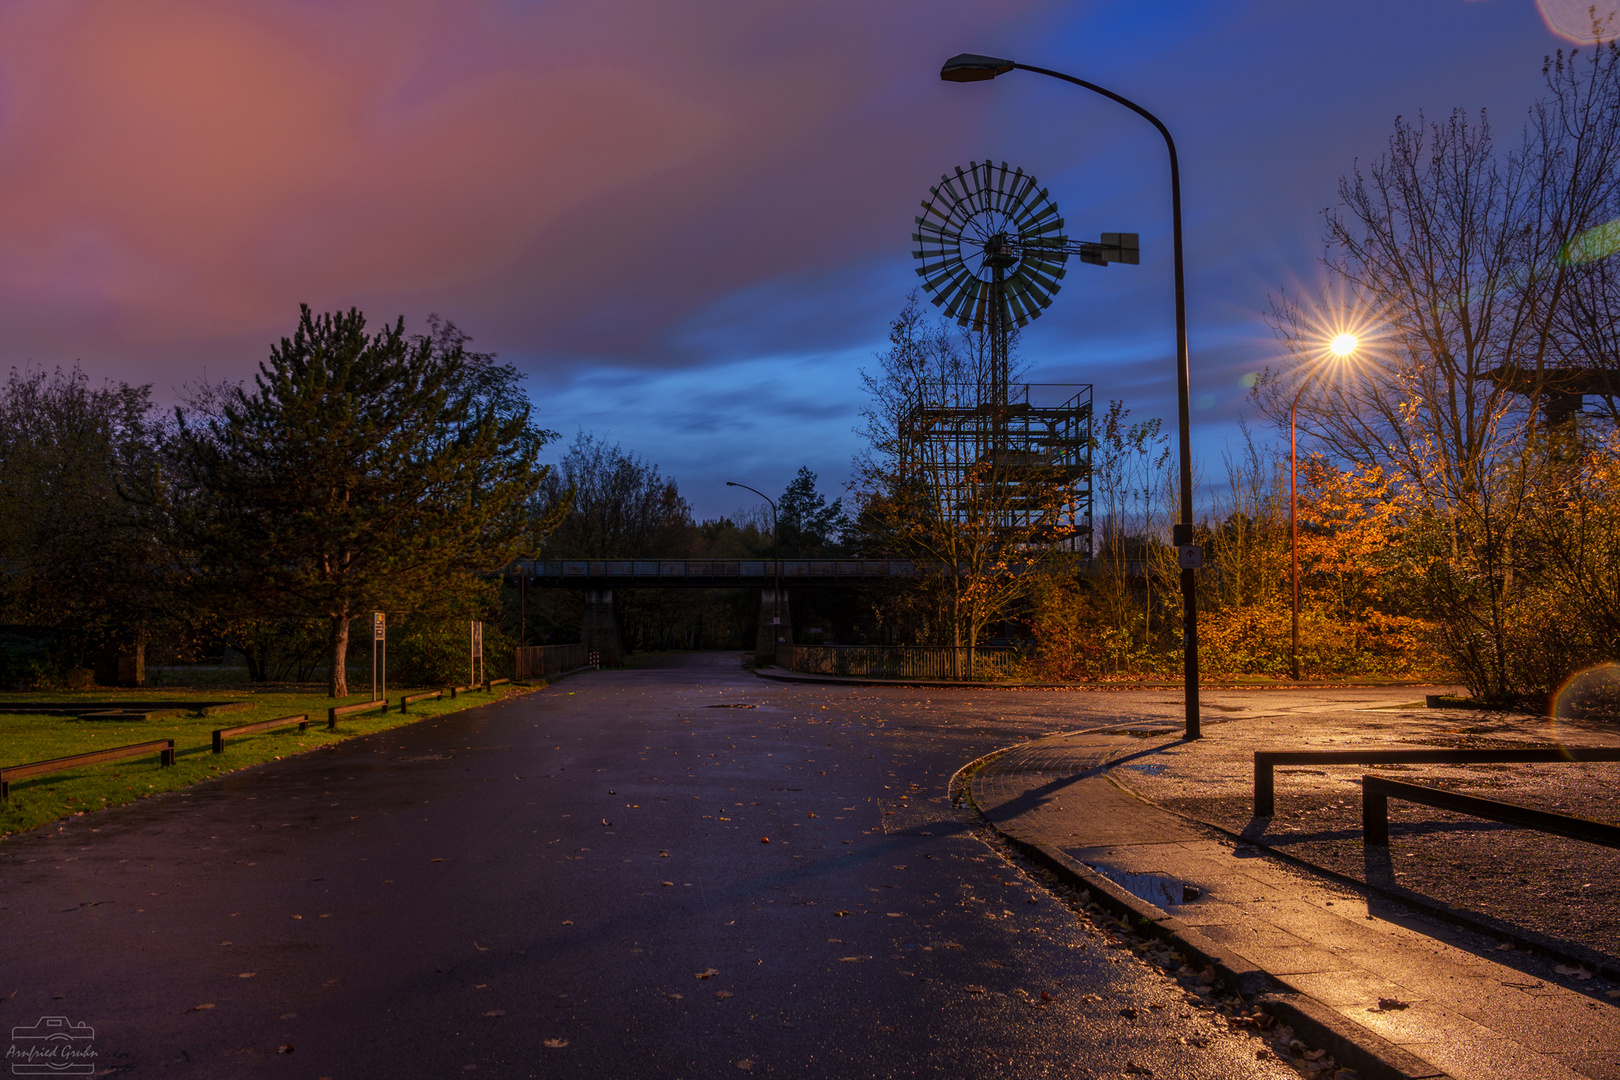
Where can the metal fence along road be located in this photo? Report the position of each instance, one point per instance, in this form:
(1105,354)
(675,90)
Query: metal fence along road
(899,661)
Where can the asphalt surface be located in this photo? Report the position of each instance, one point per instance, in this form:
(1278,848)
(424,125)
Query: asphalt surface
(624,875)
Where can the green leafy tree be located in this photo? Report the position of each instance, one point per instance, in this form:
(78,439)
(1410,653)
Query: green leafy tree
(83,549)
(362,472)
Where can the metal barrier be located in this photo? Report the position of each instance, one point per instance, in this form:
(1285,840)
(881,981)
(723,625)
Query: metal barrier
(534,661)
(1377,791)
(898,661)
(1265,792)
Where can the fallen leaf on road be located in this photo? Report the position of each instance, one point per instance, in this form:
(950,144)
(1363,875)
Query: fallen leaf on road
(496,1012)
(972,989)
(722,994)
(1128,1013)
(884,1027)
(895,914)
(479,947)
(284,1048)
(246,974)
(1390,1004)
(298,916)
(608,823)
(763,840)
(1504,947)
(706,973)
(555,1044)
(1046,997)
(663,854)
(745,1065)
(666,883)
(1133,1069)
(200,1008)
(1090,997)
(840,914)
(1578,972)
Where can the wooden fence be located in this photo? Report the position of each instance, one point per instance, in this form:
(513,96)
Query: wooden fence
(899,661)
(534,661)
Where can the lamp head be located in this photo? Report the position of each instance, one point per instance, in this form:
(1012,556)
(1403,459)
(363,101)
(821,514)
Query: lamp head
(730,484)
(971,67)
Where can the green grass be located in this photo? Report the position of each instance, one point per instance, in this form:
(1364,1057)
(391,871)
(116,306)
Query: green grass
(40,799)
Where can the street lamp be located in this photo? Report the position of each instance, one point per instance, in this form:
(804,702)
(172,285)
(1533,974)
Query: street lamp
(1341,346)
(970,67)
(776,548)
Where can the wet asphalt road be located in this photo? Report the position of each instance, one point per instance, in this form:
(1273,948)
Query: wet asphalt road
(578,883)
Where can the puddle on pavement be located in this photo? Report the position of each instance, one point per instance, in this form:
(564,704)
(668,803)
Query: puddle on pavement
(1159,889)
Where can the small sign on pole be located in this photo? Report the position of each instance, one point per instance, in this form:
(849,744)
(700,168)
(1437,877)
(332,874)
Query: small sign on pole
(379,635)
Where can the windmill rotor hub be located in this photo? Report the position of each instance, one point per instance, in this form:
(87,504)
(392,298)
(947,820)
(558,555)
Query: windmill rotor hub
(999,252)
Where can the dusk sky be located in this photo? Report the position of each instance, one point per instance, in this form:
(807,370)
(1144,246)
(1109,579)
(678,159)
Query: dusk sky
(688,222)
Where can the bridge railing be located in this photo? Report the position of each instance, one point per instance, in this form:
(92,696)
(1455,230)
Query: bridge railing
(534,661)
(899,661)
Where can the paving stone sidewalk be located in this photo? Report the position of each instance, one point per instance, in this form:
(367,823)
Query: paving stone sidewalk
(1449,996)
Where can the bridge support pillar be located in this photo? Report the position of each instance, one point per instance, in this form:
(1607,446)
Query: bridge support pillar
(771,632)
(601,627)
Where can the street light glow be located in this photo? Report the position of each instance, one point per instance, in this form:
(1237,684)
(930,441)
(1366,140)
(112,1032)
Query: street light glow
(1343,345)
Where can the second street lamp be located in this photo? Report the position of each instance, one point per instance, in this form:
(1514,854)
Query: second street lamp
(971,67)
(776,548)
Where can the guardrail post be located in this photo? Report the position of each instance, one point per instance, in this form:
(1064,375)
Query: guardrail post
(166,755)
(219,742)
(331,718)
(1374,814)
(1265,785)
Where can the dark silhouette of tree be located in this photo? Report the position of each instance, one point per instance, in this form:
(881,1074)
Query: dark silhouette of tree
(79,550)
(810,525)
(359,472)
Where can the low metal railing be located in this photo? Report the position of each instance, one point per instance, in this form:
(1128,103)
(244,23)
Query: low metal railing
(899,661)
(534,661)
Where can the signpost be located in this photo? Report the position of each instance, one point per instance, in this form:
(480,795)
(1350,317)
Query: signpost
(379,636)
(476,658)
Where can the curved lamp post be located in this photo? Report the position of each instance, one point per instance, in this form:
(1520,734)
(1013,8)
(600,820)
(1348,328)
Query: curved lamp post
(1341,346)
(970,67)
(776,548)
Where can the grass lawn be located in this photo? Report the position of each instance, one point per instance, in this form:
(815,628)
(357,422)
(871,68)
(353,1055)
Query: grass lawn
(40,799)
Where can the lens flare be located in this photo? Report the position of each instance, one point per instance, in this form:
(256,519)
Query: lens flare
(1342,344)
(1594,244)
(1581,21)
(1591,694)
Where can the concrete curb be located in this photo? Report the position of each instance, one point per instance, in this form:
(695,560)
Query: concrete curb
(1352,1046)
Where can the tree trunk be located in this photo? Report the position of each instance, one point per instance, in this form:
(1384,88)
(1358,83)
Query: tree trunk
(337,683)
